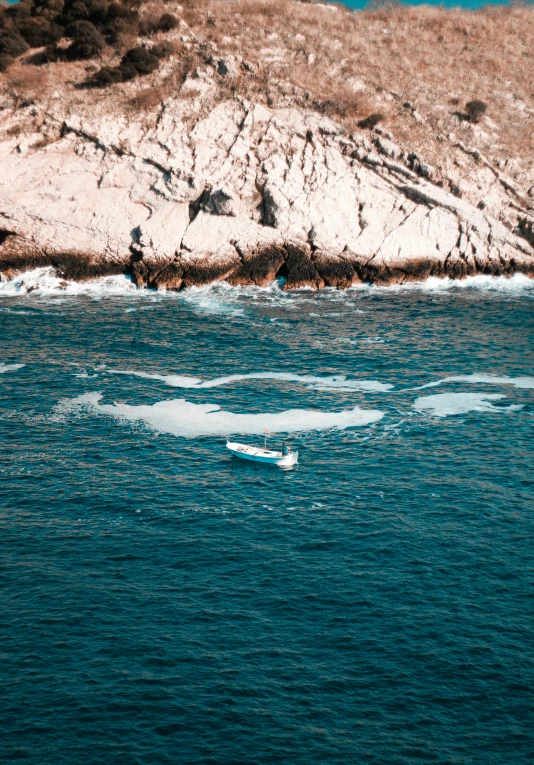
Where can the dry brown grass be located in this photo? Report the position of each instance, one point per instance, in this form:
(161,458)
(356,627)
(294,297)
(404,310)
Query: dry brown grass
(29,81)
(348,65)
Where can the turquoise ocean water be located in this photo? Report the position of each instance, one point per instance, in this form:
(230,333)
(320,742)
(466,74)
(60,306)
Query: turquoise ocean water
(163,602)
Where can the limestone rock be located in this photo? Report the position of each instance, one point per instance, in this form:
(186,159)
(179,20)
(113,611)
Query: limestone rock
(241,192)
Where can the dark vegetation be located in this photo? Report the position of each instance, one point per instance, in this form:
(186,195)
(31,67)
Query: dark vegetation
(371,121)
(135,62)
(475,110)
(72,30)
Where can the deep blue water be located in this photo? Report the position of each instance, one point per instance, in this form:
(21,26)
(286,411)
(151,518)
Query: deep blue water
(163,602)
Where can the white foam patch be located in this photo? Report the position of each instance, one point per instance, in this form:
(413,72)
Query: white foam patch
(447,404)
(336,382)
(179,417)
(517,382)
(518,283)
(213,299)
(9,367)
(45,281)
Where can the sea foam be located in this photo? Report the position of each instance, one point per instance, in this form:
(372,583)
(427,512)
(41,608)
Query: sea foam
(9,367)
(447,404)
(517,382)
(179,417)
(45,281)
(335,382)
(516,284)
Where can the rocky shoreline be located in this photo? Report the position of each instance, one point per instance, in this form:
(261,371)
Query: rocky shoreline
(275,193)
(200,186)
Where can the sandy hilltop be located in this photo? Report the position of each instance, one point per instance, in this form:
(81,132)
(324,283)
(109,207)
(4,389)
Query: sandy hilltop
(244,140)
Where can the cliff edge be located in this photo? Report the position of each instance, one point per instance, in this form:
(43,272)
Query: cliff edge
(224,162)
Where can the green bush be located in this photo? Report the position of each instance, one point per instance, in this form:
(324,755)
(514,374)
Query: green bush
(128,71)
(48,9)
(371,121)
(143,61)
(136,62)
(167,22)
(5,62)
(87,41)
(163,49)
(19,11)
(119,11)
(78,11)
(107,76)
(13,44)
(38,32)
(476,110)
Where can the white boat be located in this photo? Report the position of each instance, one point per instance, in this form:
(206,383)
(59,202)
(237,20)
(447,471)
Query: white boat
(267,456)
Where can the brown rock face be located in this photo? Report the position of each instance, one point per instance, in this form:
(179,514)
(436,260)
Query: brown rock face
(260,267)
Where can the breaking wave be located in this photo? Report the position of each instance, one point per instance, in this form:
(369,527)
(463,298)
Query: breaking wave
(179,417)
(221,298)
(518,283)
(45,281)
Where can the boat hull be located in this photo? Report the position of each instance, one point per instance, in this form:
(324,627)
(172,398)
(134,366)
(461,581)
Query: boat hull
(264,456)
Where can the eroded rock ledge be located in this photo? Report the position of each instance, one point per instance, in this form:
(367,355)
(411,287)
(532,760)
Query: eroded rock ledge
(238,192)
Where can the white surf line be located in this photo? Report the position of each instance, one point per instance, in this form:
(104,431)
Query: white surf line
(336,382)
(45,281)
(517,382)
(516,284)
(448,404)
(183,418)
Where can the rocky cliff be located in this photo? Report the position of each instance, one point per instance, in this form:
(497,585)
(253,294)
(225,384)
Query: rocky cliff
(209,183)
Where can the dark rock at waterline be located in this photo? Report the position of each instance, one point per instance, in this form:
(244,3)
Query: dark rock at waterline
(259,267)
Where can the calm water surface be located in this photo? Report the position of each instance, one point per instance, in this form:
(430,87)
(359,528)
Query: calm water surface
(163,602)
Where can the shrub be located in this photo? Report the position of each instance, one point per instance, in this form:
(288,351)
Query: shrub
(167,22)
(48,9)
(88,41)
(141,59)
(78,11)
(98,12)
(81,30)
(115,30)
(38,32)
(5,62)
(107,76)
(13,44)
(118,11)
(331,106)
(371,121)
(128,72)
(136,62)
(476,110)
(163,49)
(19,11)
